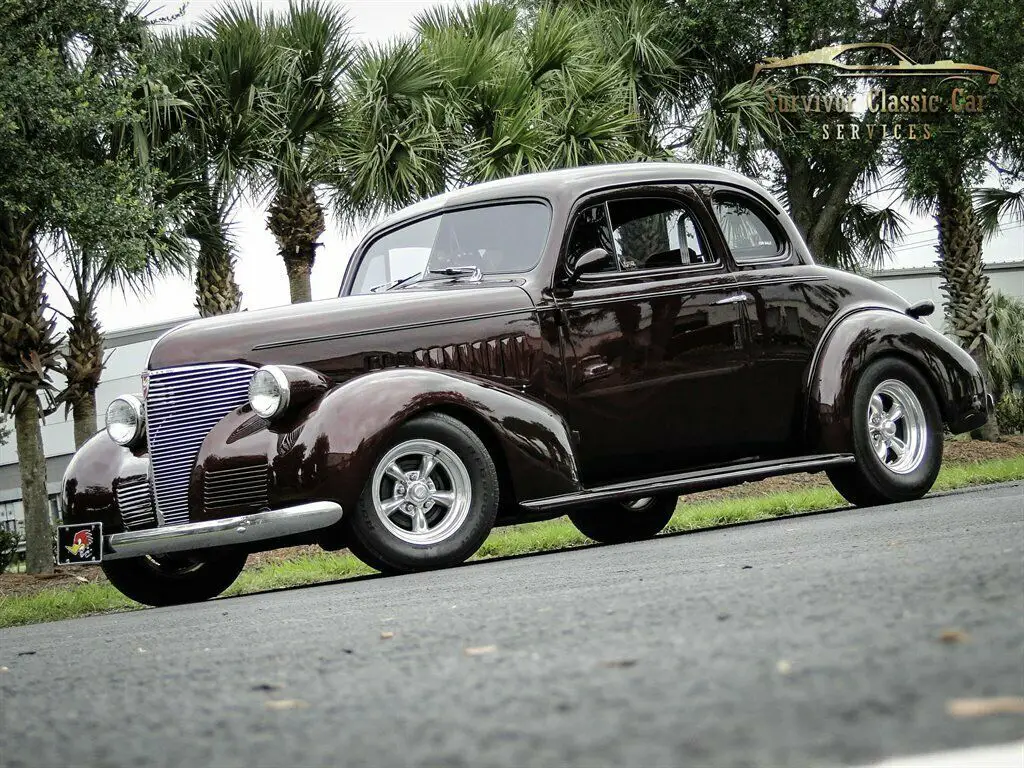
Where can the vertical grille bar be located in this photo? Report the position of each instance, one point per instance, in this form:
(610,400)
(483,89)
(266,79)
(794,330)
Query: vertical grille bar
(182,406)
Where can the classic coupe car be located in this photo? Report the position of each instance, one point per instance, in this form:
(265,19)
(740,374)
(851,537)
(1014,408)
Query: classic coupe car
(590,342)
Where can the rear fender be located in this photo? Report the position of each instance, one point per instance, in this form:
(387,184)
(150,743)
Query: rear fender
(863,336)
(330,448)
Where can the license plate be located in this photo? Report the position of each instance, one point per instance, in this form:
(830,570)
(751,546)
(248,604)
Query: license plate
(79,544)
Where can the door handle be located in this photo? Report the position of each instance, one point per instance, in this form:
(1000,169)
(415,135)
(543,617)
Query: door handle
(739,298)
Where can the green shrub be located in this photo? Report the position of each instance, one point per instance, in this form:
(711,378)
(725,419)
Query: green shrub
(9,541)
(1010,413)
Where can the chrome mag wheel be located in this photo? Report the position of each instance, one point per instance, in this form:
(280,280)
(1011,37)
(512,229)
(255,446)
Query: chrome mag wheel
(897,427)
(421,491)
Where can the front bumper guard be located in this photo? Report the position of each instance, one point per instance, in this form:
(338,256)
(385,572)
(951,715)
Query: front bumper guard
(229,531)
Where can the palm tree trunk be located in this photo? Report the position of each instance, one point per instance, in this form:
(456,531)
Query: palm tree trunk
(28,352)
(32,463)
(968,299)
(83,367)
(300,270)
(83,410)
(297,221)
(217,293)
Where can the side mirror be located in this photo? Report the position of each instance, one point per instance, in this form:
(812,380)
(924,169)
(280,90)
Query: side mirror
(921,309)
(594,260)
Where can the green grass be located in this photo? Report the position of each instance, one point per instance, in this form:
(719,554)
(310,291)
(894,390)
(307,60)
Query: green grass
(62,603)
(84,599)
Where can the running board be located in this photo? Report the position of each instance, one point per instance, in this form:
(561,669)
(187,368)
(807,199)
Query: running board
(698,480)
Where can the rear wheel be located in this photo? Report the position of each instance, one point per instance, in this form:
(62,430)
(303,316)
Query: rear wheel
(174,579)
(614,522)
(430,501)
(897,437)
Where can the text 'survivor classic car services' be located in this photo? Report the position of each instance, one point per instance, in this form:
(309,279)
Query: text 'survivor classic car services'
(590,342)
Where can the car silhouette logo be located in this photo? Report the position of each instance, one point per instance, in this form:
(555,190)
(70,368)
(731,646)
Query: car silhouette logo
(897,64)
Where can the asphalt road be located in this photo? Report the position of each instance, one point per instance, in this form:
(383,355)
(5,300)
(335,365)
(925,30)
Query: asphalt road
(807,641)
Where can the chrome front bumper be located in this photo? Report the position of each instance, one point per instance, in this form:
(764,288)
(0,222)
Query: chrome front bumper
(230,531)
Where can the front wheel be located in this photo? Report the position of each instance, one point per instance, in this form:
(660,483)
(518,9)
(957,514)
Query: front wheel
(174,579)
(897,437)
(430,501)
(615,522)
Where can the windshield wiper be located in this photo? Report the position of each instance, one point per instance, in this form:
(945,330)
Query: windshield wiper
(415,276)
(472,272)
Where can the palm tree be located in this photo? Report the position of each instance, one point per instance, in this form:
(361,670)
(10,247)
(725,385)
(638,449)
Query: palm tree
(298,62)
(391,150)
(481,93)
(28,352)
(208,114)
(1006,329)
(82,274)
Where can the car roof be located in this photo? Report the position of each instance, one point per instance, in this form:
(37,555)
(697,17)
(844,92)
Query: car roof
(570,182)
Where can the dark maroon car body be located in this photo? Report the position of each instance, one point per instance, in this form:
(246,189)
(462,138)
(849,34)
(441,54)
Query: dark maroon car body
(583,387)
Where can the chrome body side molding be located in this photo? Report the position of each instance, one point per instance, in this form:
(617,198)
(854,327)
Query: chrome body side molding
(698,480)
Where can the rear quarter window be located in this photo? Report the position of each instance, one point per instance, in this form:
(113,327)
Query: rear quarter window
(751,233)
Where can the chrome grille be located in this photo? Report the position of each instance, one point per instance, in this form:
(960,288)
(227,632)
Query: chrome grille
(135,503)
(236,487)
(182,406)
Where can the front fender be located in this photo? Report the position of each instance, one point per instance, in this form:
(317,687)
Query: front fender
(90,482)
(329,449)
(856,340)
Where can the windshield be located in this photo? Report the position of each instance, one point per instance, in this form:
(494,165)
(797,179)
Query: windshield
(497,239)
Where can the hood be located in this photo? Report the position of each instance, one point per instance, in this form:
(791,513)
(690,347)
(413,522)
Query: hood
(335,336)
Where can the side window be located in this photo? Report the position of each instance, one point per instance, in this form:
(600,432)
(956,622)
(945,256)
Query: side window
(589,231)
(655,233)
(747,233)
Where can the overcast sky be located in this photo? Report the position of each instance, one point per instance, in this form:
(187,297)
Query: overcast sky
(260,271)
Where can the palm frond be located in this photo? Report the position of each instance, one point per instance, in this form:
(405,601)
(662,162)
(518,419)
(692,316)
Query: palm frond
(994,205)
(736,124)
(390,152)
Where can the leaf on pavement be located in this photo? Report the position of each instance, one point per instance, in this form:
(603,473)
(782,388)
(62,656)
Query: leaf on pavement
(480,650)
(999,705)
(282,704)
(953,636)
(267,687)
(619,663)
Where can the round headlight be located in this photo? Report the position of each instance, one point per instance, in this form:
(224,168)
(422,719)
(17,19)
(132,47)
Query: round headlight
(126,418)
(268,391)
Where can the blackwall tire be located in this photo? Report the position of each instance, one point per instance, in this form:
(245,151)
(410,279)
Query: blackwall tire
(173,580)
(616,522)
(897,437)
(430,501)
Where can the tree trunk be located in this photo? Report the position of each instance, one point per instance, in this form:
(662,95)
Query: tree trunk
(217,293)
(28,352)
(32,463)
(83,367)
(964,282)
(297,221)
(84,412)
(299,272)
